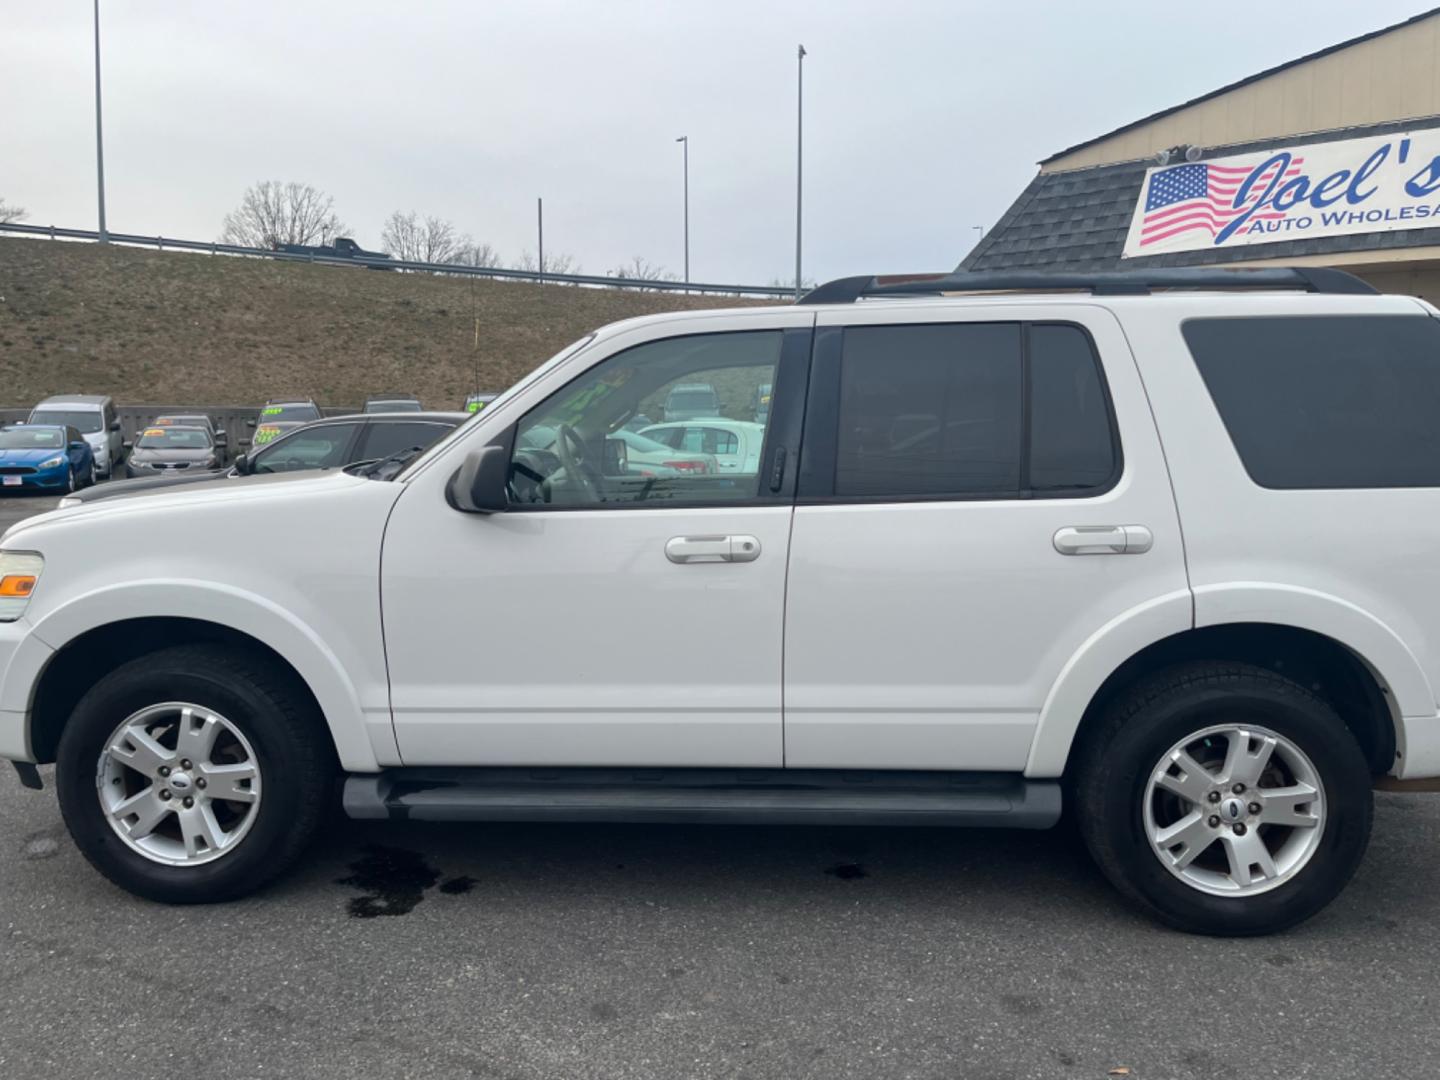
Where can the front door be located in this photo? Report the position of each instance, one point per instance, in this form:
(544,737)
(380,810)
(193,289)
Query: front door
(621,612)
(966,477)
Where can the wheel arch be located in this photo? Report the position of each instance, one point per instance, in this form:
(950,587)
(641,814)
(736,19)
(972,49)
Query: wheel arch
(1329,667)
(1230,617)
(90,639)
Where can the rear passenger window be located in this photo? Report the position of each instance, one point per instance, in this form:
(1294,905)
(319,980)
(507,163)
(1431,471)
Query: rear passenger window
(1072,446)
(929,410)
(943,410)
(1326,401)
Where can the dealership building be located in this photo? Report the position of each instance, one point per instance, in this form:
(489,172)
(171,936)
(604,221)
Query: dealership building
(1329,160)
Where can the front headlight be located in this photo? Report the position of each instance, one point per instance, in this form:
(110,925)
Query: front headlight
(19,573)
(50,463)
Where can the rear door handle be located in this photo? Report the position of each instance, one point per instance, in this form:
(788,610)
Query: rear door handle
(1103,540)
(703,549)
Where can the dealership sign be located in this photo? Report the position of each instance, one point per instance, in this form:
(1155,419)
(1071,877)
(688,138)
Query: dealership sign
(1369,185)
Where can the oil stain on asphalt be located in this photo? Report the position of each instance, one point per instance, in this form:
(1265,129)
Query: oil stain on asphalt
(392,880)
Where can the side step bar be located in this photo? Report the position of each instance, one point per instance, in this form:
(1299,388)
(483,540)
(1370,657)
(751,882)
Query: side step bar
(705,796)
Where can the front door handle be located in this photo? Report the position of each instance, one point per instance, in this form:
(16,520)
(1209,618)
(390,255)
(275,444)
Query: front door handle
(1103,540)
(703,549)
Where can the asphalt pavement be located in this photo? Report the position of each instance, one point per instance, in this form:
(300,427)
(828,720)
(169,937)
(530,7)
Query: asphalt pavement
(511,952)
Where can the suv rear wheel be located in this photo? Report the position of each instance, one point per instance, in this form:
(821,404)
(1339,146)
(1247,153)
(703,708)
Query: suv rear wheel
(193,774)
(1224,799)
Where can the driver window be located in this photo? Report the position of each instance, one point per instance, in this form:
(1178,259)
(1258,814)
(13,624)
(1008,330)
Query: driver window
(583,446)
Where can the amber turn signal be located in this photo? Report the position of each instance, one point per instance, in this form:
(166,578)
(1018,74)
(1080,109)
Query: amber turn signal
(17,584)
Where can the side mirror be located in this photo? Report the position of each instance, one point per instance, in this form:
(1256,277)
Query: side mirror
(242,465)
(82,444)
(244,442)
(479,485)
(249,423)
(126,446)
(222,437)
(114,425)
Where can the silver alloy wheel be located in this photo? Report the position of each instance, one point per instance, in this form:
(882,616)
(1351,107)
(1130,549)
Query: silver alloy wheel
(179,783)
(1234,810)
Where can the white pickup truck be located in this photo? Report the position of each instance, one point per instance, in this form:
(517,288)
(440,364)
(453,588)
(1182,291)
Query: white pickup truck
(1162,542)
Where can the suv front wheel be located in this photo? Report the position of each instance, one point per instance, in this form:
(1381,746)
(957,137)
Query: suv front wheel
(193,774)
(1224,799)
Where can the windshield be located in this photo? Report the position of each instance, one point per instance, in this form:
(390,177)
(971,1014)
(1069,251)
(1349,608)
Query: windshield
(284,414)
(86,421)
(691,399)
(402,405)
(174,438)
(24,438)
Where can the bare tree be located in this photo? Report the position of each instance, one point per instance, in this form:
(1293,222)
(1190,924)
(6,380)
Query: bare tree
(411,239)
(272,213)
(638,269)
(9,213)
(556,262)
(473,253)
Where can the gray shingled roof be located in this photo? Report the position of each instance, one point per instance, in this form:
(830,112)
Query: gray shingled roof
(1077,219)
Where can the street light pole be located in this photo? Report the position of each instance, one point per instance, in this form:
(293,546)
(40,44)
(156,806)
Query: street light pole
(99,137)
(686,140)
(799,156)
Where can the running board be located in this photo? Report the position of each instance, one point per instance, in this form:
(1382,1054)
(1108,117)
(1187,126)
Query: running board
(706,796)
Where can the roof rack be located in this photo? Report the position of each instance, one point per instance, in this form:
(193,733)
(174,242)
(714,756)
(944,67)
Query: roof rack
(1105,283)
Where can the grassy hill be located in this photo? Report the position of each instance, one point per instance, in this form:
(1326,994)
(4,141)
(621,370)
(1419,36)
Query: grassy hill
(148,326)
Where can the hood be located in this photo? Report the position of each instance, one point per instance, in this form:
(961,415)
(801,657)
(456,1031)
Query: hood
(150,485)
(240,490)
(30,455)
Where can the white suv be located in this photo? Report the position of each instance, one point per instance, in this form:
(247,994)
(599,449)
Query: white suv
(1170,553)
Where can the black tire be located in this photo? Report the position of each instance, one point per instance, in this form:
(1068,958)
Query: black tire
(295,756)
(1115,761)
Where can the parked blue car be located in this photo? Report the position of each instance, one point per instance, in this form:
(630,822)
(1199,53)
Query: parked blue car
(45,457)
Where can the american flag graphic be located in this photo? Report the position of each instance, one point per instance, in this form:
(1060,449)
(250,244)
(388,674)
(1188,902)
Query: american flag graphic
(1202,196)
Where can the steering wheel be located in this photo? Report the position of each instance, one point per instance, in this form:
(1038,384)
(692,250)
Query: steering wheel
(570,449)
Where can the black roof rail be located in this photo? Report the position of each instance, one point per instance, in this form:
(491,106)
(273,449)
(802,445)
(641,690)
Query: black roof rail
(1316,279)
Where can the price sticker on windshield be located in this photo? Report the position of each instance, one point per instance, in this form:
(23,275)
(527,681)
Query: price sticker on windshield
(266,433)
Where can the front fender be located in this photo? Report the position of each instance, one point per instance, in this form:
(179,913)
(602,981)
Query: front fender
(351,727)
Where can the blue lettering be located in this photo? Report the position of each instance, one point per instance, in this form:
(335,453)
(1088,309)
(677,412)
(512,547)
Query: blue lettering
(1291,192)
(1426,180)
(1353,194)
(1282,159)
(1330,183)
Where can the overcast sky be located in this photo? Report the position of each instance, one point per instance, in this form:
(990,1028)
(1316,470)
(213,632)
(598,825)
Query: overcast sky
(922,119)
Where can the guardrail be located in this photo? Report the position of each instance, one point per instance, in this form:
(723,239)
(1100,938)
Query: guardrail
(55,232)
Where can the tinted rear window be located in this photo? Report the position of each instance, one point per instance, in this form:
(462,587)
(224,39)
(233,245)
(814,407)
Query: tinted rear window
(940,410)
(1326,401)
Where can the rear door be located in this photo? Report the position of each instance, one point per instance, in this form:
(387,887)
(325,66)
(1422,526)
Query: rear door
(969,480)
